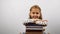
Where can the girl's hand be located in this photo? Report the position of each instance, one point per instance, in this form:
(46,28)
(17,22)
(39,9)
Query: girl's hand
(44,20)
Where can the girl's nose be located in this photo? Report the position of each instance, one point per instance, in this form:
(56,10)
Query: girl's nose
(35,14)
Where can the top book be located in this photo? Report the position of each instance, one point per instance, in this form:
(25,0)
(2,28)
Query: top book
(33,24)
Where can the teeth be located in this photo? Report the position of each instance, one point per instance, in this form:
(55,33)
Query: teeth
(35,16)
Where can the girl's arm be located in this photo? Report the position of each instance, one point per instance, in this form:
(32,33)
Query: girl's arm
(44,22)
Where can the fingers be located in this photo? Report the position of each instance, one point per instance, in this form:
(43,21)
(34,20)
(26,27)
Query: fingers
(44,20)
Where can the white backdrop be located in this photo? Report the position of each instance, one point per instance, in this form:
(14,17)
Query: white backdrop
(14,12)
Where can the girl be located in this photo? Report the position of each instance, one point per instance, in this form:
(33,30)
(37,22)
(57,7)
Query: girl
(36,15)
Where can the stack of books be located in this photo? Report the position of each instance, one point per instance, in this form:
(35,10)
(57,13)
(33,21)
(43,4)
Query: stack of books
(33,26)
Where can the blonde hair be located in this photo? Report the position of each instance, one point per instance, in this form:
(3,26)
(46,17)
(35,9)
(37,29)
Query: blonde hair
(37,7)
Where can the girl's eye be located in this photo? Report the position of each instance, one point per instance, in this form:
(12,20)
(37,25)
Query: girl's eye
(37,13)
(33,12)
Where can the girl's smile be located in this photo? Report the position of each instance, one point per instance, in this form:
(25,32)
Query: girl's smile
(35,13)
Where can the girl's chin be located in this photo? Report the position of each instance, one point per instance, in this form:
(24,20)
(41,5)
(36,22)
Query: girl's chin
(36,19)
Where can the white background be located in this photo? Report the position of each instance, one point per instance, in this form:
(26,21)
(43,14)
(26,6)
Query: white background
(14,12)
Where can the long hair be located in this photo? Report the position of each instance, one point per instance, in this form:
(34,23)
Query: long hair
(36,6)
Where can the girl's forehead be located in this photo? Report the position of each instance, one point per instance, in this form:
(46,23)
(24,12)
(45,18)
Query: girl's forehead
(35,10)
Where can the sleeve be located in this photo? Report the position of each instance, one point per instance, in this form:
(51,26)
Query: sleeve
(25,21)
(28,20)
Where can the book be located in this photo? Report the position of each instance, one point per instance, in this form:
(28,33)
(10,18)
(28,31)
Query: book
(33,24)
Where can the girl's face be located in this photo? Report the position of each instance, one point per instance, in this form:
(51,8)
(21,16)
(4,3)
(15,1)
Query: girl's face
(35,13)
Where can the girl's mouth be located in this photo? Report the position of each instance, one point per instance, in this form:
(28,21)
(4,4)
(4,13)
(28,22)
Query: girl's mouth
(35,16)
